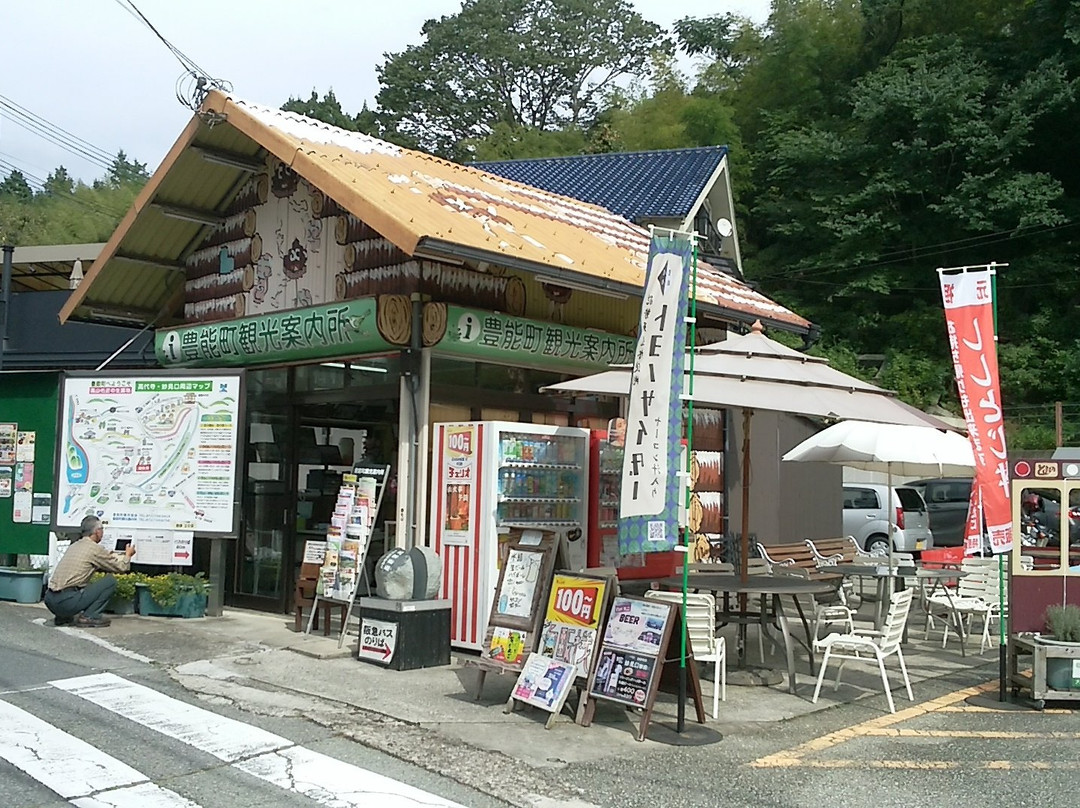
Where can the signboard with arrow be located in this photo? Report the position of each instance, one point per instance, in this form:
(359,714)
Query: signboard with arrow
(378,638)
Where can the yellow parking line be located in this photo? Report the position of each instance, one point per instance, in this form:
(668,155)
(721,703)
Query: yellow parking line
(969,733)
(972,708)
(940,765)
(793,756)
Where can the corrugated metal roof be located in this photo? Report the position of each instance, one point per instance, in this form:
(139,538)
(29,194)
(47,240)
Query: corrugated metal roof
(658,184)
(422,204)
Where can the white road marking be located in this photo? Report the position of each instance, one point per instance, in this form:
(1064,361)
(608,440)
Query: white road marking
(269,757)
(74,769)
(85,634)
(336,784)
(215,734)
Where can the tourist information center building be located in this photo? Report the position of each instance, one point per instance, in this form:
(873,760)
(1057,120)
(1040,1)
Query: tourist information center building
(369,291)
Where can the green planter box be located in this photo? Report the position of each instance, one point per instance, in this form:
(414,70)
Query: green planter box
(121,606)
(187,605)
(21,586)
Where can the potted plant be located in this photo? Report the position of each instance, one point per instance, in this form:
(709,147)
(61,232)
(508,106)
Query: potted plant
(22,583)
(123,598)
(1063,623)
(173,594)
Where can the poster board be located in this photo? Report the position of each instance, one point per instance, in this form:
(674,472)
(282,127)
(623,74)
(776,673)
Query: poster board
(150,451)
(639,638)
(543,683)
(575,612)
(528,562)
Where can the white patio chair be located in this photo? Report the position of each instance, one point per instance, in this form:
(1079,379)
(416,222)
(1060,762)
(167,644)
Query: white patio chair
(866,645)
(976,595)
(825,614)
(701,630)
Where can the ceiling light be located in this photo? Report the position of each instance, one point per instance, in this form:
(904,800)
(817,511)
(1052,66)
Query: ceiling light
(350,366)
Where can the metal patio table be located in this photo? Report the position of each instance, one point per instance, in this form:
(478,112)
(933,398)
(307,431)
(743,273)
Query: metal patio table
(775,587)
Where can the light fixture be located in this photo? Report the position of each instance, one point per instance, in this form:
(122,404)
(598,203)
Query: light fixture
(76,275)
(350,366)
(229,160)
(189,215)
(581,287)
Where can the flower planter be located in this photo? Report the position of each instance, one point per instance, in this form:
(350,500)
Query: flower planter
(121,606)
(21,586)
(188,604)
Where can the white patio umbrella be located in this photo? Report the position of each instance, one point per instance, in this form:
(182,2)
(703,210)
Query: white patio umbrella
(892,448)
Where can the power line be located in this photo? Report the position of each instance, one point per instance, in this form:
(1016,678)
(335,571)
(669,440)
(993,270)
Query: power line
(194,83)
(57,135)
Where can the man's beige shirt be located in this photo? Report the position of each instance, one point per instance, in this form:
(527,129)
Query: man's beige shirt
(81,560)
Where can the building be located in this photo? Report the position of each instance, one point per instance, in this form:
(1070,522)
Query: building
(369,291)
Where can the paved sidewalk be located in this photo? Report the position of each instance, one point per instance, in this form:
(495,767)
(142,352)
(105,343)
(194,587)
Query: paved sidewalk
(259,649)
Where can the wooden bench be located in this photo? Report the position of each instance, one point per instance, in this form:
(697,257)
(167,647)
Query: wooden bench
(792,555)
(836,551)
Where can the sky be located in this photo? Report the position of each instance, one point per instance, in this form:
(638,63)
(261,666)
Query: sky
(93,69)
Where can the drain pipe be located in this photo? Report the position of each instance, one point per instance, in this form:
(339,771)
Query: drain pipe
(5,301)
(413,365)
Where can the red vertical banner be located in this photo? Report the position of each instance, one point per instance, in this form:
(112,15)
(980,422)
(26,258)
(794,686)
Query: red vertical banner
(969,316)
(973,541)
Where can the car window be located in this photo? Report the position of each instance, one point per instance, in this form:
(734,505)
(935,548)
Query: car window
(909,499)
(856,498)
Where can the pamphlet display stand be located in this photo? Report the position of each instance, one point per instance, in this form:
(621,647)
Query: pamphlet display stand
(348,539)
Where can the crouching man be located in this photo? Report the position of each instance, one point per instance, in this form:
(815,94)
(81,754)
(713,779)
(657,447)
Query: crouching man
(71,596)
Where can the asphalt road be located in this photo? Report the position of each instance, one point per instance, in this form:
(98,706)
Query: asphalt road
(955,746)
(75,718)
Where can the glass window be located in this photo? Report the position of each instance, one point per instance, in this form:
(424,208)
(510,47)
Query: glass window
(338,374)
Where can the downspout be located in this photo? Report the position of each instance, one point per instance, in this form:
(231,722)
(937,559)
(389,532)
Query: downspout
(5,301)
(412,368)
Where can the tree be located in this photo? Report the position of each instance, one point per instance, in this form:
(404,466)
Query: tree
(535,64)
(59,182)
(326,109)
(125,172)
(16,188)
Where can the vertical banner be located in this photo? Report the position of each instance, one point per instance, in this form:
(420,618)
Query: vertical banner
(973,528)
(969,316)
(651,489)
(459,478)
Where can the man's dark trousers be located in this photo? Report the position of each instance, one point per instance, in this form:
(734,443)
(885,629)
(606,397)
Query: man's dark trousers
(90,600)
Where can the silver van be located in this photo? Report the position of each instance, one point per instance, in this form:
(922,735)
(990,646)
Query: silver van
(866,518)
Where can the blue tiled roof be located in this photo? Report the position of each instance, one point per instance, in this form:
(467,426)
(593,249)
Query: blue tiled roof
(635,185)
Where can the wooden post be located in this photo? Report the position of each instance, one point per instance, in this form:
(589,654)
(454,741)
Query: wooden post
(1059,426)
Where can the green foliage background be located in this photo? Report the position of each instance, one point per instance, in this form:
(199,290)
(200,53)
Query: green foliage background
(871,142)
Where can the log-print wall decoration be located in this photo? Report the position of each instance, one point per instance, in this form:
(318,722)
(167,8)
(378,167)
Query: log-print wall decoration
(380,280)
(236,227)
(349,229)
(373,252)
(211,287)
(393,317)
(211,310)
(254,193)
(468,287)
(323,207)
(207,260)
(434,323)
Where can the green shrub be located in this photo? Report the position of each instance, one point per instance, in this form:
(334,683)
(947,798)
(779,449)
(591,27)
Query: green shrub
(125,583)
(1063,622)
(167,589)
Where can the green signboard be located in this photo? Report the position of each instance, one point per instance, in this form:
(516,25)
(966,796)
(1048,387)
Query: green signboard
(318,332)
(493,337)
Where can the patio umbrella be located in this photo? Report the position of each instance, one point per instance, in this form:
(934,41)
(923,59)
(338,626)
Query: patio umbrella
(753,372)
(893,448)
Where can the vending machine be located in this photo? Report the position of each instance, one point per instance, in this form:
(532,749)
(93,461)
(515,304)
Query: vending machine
(605,475)
(490,477)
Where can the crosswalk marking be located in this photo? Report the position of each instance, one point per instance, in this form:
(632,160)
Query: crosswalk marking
(221,737)
(74,769)
(269,757)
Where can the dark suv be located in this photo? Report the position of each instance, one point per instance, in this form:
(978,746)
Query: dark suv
(947,503)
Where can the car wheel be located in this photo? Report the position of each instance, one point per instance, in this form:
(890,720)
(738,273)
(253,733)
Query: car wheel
(878,545)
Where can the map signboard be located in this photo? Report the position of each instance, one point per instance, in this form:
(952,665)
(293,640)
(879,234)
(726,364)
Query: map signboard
(149,452)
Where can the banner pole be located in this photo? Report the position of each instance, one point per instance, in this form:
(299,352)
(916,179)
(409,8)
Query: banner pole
(1002,616)
(692,319)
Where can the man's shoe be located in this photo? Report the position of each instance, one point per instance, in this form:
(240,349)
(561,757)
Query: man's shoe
(63,621)
(92,622)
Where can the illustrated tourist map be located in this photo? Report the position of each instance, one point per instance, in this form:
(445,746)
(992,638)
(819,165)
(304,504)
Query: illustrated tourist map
(149,452)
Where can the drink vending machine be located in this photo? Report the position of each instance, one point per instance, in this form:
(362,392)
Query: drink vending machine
(605,476)
(488,478)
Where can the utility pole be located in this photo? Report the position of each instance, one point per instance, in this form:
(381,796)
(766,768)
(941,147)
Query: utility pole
(1059,425)
(5,301)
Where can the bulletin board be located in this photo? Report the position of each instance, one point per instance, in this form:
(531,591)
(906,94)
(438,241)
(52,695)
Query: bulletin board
(521,594)
(29,400)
